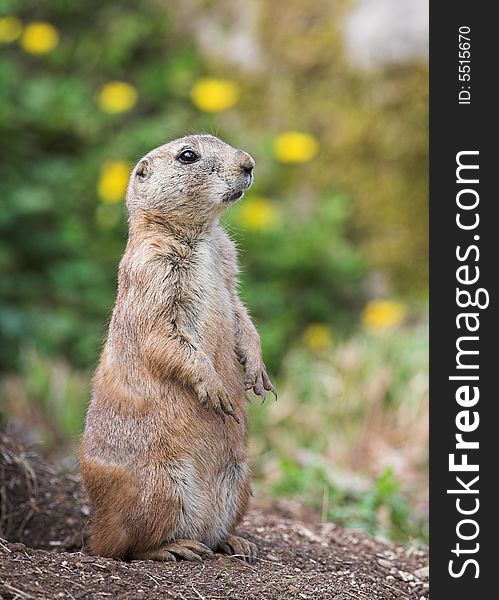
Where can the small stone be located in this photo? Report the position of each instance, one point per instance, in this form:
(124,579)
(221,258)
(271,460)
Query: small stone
(385,563)
(422,573)
(309,534)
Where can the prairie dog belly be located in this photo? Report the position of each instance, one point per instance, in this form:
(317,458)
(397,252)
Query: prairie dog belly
(211,308)
(210,505)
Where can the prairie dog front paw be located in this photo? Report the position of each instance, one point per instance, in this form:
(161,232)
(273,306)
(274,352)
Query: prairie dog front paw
(256,378)
(211,393)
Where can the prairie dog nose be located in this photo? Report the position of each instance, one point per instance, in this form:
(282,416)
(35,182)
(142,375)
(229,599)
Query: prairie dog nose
(246,162)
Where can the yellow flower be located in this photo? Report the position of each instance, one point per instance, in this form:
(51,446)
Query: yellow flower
(10,29)
(379,315)
(295,147)
(318,337)
(39,38)
(113,181)
(117,97)
(215,95)
(258,213)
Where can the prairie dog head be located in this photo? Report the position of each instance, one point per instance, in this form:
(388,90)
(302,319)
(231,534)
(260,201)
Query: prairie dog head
(190,180)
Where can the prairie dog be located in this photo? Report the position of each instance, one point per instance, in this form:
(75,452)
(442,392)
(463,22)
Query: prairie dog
(163,455)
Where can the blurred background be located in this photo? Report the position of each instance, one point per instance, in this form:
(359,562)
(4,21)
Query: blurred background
(330,97)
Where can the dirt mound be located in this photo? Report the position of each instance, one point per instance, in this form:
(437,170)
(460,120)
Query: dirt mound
(40,506)
(42,553)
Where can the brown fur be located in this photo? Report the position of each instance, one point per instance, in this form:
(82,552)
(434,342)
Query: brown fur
(163,453)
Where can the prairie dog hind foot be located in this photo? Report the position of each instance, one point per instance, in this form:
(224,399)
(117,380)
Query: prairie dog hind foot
(234,545)
(186,549)
(192,550)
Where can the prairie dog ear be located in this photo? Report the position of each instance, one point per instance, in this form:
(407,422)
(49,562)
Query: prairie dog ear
(143,169)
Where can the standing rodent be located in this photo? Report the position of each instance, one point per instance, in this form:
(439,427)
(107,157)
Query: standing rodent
(163,455)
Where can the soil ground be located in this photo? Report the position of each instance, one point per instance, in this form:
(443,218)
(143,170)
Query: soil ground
(42,552)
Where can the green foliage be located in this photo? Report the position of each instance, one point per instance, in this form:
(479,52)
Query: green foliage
(47,399)
(307,260)
(58,248)
(325,442)
(60,244)
(380,508)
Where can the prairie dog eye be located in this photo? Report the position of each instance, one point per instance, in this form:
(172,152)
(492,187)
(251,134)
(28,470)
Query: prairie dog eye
(187,157)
